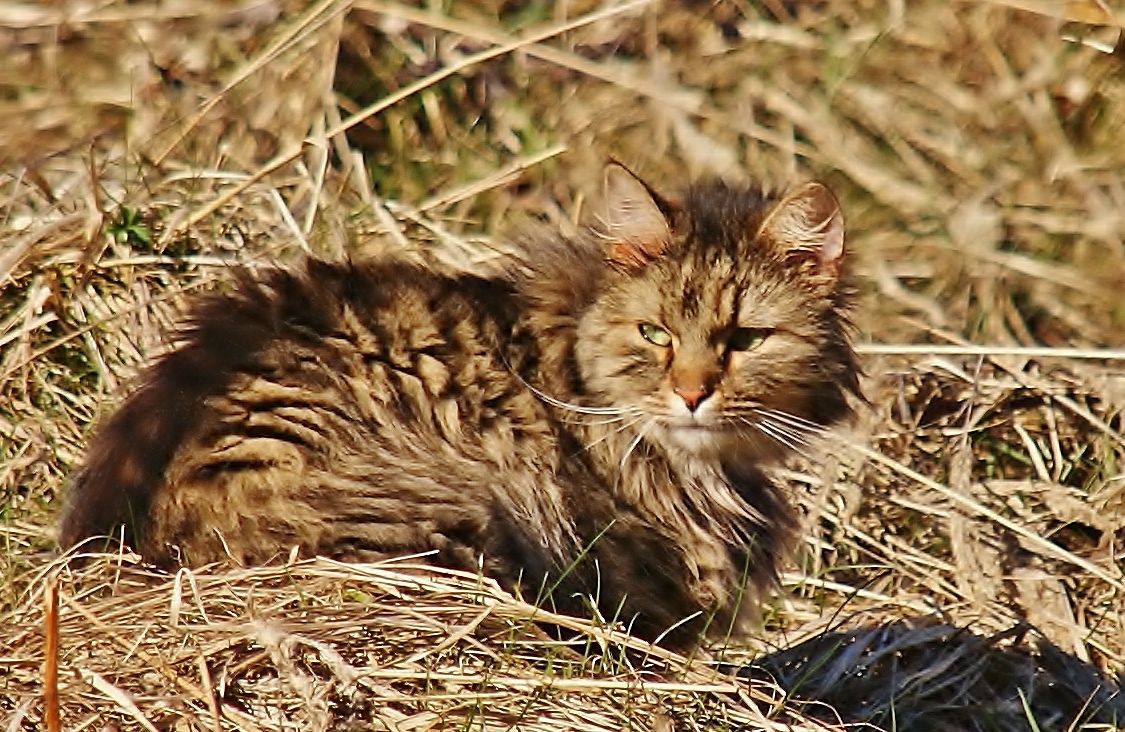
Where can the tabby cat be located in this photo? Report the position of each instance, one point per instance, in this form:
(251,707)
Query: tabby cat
(598,421)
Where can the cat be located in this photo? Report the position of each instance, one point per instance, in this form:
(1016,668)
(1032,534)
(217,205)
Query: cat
(597,422)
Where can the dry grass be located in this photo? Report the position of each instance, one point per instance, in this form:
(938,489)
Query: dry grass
(964,552)
(319,645)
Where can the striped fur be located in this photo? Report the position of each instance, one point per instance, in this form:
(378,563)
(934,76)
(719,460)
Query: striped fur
(521,423)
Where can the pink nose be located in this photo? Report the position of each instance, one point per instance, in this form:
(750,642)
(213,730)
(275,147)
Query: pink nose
(693,396)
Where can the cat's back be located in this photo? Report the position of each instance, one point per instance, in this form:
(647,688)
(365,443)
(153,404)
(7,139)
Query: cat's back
(336,406)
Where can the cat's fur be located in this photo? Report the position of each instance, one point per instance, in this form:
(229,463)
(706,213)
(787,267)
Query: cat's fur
(366,410)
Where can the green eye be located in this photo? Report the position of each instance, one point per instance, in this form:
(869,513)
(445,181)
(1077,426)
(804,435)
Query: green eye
(747,339)
(655,334)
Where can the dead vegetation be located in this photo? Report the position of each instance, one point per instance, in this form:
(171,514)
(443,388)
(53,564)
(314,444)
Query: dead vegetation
(963,561)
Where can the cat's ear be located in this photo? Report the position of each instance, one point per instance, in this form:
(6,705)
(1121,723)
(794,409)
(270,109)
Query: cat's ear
(807,223)
(636,229)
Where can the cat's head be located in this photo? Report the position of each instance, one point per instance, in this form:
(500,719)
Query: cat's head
(723,326)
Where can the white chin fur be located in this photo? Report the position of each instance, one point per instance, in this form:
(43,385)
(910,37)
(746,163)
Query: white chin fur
(692,439)
(710,445)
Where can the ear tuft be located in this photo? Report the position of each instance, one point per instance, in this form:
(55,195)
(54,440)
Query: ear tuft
(808,221)
(636,230)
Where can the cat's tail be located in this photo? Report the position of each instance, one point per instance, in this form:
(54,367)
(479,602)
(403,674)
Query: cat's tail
(127,457)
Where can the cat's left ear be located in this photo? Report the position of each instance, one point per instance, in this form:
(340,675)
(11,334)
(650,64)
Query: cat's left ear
(635,226)
(807,223)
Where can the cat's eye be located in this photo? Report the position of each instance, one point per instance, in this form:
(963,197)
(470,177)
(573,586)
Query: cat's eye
(747,339)
(655,334)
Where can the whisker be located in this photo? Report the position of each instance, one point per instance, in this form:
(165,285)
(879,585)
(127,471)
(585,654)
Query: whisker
(633,445)
(795,435)
(768,430)
(793,420)
(617,431)
(796,428)
(780,435)
(573,407)
(801,448)
(597,422)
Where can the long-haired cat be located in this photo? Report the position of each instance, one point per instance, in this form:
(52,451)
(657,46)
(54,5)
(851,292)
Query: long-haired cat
(598,421)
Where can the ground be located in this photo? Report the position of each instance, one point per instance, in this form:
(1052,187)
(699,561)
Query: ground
(963,546)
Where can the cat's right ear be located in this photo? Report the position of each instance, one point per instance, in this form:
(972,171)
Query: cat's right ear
(636,229)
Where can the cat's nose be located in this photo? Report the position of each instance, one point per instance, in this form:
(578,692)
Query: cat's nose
(693,396)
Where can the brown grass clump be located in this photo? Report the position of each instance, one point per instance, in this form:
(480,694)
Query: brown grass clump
(963,559)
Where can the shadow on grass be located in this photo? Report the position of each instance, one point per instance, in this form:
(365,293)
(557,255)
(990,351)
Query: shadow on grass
(921,676)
